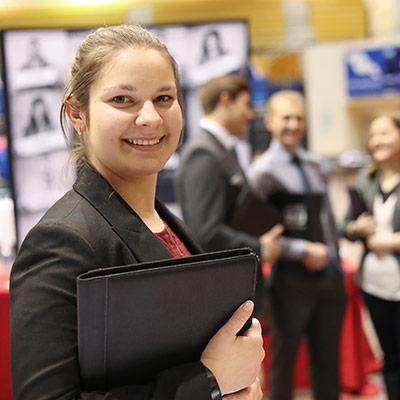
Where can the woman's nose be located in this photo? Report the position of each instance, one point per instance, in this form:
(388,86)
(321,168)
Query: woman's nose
(148,115)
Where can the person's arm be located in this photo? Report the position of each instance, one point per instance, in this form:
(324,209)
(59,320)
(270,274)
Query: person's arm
(44,331)
(384,243)
(270,247)
(204,194)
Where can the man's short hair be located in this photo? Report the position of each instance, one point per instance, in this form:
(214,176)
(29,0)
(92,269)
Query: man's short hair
(211,91)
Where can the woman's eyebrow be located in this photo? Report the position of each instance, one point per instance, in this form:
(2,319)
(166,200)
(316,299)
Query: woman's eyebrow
(127,87)
(166,88)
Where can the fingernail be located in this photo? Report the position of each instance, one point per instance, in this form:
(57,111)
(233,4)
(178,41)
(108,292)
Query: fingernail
(248,306)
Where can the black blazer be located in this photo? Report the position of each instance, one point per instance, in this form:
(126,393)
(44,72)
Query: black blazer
(90,227)
(208,183)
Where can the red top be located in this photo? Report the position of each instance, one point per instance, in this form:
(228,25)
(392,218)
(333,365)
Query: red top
(172,243)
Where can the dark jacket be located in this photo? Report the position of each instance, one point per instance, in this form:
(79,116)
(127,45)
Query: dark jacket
(90,227)
(367,185)
(208,183)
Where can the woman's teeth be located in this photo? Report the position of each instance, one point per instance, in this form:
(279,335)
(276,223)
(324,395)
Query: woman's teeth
(143,142)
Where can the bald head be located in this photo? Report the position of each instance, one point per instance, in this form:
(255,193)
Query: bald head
(288,96)
(285,118)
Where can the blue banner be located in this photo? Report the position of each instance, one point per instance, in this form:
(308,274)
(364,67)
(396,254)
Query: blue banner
(373,72)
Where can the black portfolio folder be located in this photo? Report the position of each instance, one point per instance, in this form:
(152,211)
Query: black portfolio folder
(137,320)
(301,214)
(254,216)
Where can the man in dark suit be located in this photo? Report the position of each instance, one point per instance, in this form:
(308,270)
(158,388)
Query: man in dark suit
(209,178)
(306,290)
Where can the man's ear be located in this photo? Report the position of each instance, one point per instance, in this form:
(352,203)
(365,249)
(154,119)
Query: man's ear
(75,115)
(224,99)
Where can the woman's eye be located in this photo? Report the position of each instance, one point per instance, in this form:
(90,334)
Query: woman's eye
(120,99)
(164,98)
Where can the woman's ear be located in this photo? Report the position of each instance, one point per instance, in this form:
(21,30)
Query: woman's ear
(75,115)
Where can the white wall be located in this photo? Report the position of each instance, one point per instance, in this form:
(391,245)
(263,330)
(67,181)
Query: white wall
(337,123)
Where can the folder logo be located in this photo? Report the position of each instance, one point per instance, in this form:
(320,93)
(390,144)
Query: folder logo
(295,217)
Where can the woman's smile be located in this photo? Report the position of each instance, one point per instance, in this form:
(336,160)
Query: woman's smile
(147,145)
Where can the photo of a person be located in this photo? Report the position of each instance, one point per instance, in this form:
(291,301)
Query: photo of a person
(212,46)
(35,58)
(39,120)
(216,50)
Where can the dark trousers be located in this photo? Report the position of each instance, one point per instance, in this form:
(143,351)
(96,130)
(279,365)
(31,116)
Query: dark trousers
(312,306)
(385,316)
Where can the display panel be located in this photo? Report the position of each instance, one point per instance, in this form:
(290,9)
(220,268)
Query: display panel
(36,65)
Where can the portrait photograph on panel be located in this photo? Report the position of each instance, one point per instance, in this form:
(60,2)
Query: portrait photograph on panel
(218,49)
(35,58)
(35,122)
(40,181)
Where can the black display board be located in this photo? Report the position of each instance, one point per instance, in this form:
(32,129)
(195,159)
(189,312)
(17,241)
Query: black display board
(36,63)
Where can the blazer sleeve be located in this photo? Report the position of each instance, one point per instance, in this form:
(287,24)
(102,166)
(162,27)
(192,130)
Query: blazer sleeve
(43,324)
(203,191)
(361,183)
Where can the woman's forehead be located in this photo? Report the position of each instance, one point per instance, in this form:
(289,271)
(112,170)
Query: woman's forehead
(143,60)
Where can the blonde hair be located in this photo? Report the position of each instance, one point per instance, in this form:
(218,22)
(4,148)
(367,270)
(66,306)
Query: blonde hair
(93,54)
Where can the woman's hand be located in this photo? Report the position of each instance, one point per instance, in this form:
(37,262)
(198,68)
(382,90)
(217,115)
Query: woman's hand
(362,227)
(252,392)
(235,360)
(382,243)
(270,248)
(316,256)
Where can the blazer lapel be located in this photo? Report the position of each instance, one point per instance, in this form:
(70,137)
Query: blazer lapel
(396,214)
(144,245)
(370,192)
(228,160)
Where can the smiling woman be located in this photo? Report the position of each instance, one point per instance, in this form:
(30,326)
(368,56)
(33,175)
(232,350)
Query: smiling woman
(378,186)
(132,121)
(122,116)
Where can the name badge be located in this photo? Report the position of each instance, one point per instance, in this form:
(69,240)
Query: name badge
(295,217)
